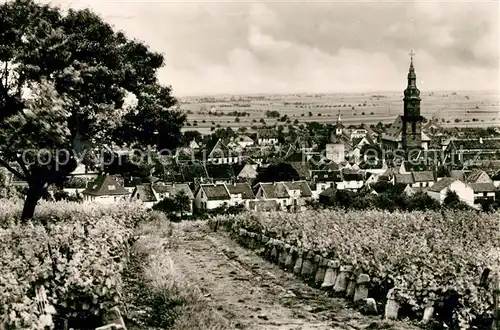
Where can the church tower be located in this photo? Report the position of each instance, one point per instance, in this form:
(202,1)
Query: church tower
(339,127)
(411,119)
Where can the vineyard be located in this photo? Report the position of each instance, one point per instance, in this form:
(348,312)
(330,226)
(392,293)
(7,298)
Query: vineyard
(76,253)
(416,263)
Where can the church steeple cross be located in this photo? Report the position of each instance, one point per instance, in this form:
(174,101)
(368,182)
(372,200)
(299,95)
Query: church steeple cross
(412,54)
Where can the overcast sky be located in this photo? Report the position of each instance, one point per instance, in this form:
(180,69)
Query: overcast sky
(216,47)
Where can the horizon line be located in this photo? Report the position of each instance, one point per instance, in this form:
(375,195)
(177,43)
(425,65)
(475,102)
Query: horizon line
(324,93)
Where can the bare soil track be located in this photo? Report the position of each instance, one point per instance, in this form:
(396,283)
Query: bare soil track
(255,294)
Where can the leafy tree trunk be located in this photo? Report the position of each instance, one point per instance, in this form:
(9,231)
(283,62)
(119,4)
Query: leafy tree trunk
(35,192)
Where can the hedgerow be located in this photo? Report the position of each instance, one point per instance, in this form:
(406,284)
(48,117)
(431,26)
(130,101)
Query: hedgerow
(77,252)
(427,257)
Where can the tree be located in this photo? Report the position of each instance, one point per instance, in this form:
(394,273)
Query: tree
(182,203)
(79,73)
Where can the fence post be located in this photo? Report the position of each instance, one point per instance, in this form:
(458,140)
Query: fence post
(496,301)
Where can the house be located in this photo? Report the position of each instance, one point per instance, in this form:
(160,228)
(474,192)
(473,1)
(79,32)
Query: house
(211,196)
(220,173)
(241,193)
(358,133)
(267,137)
(353,179)
(144,194)
(244,141)
(194,145)
(193,173)
(423,179)
(276,191)
(106,190)
(303,169)
(464,150)
(170,190)
(245,172)
(403,179)
(439,190)
(477,176)
(219,153)
(483,191)
(81,171)
(299,192)
(325,179)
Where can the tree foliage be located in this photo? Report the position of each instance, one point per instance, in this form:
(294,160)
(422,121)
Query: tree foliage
(64,83)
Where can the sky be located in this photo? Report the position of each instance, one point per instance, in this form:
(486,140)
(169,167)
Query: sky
(250,47)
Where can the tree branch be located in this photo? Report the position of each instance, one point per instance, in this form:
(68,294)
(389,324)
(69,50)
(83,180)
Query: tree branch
(12,170)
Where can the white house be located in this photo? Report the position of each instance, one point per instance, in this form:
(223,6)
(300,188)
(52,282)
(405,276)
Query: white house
(241,194)
(244,141)
(324,180)
(439,190)
(106,190)
(248,171)
(273,191)
(163,190)
(144,195)
(299,192)
(212,196)
(221,154)
(358,133)
(423,179)
(352,179)
(483,191)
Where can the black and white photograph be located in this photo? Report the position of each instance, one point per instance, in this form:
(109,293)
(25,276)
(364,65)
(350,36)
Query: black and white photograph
(257,165)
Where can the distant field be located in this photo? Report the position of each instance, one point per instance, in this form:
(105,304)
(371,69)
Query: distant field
(474,109)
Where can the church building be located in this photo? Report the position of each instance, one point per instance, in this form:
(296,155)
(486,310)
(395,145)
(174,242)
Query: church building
(406,131)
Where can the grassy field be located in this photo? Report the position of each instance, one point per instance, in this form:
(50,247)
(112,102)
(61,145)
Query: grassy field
(474,109)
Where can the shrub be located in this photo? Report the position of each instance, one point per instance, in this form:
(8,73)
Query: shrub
(77,256)
(424,256)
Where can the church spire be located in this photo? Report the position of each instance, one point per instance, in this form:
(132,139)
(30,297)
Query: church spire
(412,77)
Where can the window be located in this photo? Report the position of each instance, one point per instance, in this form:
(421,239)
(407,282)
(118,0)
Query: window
(111,187)
(485,194)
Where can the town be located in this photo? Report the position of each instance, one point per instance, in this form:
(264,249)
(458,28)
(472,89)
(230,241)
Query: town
(291,167)
(249,165)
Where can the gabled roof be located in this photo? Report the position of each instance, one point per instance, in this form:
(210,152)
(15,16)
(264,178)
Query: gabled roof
(243,138)
(241,188)
(220,171)
(457,174)
(352,175)
(105,185)
(144,192)
(218,149)
(480,144)
(303,169)
(326,176)
(403,178)
(302,186)
(473,176)
(423,176)
(173,189)
(193,171)
(442,184)
(330,166)
(328,192)
(215,191)
(274,190)
(483,187)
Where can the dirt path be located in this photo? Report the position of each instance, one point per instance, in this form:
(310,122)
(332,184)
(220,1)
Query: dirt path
(255,294)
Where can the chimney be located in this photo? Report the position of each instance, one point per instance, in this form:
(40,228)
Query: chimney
(481,140)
